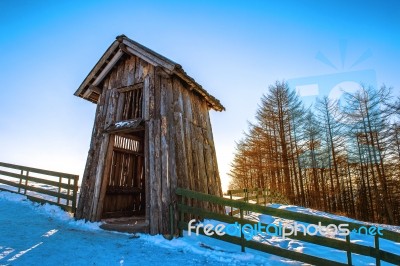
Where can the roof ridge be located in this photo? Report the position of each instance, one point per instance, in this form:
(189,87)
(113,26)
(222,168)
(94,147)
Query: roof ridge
(113,54)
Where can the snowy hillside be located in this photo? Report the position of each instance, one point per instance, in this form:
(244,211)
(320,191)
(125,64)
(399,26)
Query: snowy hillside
(33,234)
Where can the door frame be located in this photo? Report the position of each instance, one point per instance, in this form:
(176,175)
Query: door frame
(107,172)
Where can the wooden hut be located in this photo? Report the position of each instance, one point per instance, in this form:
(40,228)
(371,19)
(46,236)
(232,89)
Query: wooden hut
(151,134)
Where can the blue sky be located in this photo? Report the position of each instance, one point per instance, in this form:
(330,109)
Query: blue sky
(235,49)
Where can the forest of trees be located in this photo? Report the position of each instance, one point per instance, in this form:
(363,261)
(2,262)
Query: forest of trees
(339,157)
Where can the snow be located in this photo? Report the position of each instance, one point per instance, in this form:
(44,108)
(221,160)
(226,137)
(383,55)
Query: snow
(33,234)
(320,251)
(122,124)
(125,123)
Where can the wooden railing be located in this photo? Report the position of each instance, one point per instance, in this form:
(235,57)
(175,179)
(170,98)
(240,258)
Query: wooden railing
(40,185)
(346,245)
(257,195)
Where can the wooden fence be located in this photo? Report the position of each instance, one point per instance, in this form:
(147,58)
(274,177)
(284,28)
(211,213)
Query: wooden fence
(334,243)
(257,195)
(40,185)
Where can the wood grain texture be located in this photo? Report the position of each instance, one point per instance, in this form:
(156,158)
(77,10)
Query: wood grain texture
(177,146)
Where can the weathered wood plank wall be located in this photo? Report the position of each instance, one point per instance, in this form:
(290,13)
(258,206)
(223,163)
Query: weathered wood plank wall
(179,148)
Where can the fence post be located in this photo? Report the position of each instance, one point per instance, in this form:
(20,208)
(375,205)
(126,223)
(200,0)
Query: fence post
(349,258)
(75,193)
(241,232)
(230,195)
(20,181)
(26,181)
(59,189)
(68,190)
(246,197)
(377,252)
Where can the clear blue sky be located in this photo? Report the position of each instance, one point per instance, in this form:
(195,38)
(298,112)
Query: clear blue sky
(235,49)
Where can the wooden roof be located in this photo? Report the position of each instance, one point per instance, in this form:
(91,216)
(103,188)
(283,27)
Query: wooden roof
(89,90)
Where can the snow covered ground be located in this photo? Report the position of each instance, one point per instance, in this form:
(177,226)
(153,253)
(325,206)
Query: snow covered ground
(33,234)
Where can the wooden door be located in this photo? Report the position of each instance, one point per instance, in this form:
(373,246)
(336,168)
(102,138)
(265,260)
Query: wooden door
(125,192)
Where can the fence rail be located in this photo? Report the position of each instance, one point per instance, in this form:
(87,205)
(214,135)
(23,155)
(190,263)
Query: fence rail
(335,243)
(257,195)
(40,185)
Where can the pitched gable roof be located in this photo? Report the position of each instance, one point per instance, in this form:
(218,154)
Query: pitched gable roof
(88,89)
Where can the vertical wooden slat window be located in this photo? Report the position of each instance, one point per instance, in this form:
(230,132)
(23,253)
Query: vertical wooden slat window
(132,103)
